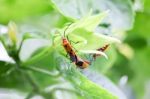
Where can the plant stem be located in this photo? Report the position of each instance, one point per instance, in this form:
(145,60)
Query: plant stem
(42,71)
(28,77)
(30,95)
(31,82)
(18,51)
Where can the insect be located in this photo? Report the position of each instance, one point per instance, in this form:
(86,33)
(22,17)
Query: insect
(72,54)
(102,49)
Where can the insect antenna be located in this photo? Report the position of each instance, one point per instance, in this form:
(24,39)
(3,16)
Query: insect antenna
(67,28)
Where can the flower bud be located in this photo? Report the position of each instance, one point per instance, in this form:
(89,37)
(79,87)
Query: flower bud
(12,32)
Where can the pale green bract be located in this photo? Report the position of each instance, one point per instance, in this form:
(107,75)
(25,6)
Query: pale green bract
(83,30)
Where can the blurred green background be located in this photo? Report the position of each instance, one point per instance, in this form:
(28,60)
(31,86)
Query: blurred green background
(129,21)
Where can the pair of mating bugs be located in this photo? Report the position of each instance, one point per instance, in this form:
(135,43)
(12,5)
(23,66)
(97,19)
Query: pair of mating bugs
(79,62)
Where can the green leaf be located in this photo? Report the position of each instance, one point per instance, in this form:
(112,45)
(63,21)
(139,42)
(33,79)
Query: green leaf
(89,23)
(71,6)
(5,68)
(120,10)
(14,80)
(100,39)
(89,89)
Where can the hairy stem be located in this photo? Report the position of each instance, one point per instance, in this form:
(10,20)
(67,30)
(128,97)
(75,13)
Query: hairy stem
(42,71)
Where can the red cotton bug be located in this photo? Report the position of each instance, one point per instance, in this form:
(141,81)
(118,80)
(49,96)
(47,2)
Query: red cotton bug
(102,49)
(71,52)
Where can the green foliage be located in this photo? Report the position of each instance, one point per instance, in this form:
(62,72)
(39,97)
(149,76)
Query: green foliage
(119,9)
(89,89)
(140,62)
(46,58)
(17,10)
(33,60)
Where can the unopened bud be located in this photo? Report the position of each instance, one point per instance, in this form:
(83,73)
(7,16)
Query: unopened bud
(12,32)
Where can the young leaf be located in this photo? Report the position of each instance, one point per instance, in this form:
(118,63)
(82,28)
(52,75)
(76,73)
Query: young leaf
(89,23)
(94,40)
(83,28)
